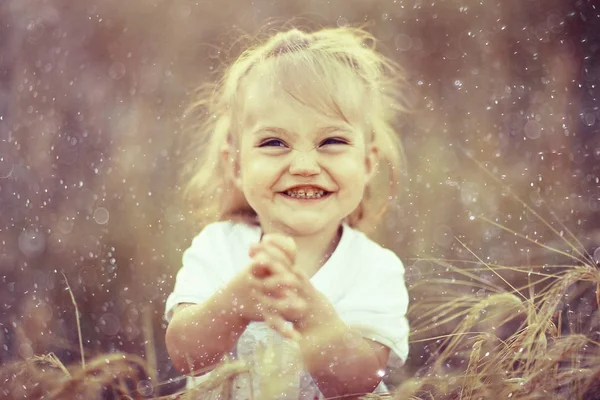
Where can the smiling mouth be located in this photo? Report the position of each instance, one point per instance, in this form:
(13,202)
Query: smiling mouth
(310,195)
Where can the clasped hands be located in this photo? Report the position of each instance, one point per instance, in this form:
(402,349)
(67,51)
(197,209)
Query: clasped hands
(275,291)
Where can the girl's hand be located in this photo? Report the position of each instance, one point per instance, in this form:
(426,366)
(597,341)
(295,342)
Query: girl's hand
(247,292)
(248,285)
(287,294)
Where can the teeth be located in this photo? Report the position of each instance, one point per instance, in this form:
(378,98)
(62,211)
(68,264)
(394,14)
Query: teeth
(306,194)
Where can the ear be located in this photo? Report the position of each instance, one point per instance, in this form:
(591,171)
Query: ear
(231,162)
(371,161)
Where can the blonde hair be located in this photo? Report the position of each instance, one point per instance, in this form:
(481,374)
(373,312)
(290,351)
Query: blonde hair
(331,58)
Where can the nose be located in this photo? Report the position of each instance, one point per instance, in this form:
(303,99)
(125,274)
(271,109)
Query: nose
(304,163)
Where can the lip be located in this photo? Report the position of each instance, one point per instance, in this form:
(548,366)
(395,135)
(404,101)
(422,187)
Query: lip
(304,186)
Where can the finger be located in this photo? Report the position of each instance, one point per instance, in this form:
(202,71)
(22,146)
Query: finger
(253,249)
(276,322)
(273,251)
(280,325)
(278,285)
(284,243)
(291,307)
(260,271)
(263,265)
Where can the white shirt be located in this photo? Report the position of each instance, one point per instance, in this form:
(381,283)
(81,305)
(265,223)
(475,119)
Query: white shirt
(363,281)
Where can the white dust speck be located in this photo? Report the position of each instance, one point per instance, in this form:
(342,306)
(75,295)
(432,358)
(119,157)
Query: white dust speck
(145,388)
(101,215)
(342,22)
(109,324)
(32,243)
(597,255)
(533,129)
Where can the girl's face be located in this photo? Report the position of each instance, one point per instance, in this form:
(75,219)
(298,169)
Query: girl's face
(301,171)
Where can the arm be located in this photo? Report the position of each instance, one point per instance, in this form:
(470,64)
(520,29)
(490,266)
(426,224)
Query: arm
(199,334)
(338,358)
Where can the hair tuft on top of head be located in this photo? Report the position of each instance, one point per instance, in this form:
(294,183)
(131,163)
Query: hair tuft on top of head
(288,42)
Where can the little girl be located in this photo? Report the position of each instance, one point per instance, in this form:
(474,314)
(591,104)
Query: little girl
(295,132)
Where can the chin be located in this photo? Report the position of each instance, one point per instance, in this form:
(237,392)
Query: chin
(305,227)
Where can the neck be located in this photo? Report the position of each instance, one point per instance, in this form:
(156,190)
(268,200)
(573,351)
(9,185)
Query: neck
(312,251)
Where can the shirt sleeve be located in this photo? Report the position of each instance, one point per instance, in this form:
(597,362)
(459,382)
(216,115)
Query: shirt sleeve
(204,269)
(377,307)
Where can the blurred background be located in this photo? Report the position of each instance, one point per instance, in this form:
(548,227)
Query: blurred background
(505,108)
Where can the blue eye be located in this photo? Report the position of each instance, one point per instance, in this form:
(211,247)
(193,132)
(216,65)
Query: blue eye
(333,141)
(272,143)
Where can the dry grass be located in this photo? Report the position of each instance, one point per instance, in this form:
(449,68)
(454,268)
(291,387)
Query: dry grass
(535,360)
(108,376)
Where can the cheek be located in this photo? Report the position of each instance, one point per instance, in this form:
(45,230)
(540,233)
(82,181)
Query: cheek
(349,168)
(257,174)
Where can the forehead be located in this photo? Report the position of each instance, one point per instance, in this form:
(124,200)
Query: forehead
(265,103)
(282,88)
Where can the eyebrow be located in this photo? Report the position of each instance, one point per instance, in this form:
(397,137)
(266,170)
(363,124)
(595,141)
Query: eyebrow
(285,132)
